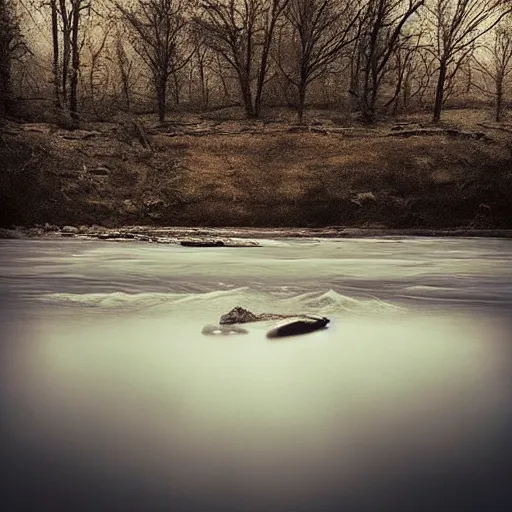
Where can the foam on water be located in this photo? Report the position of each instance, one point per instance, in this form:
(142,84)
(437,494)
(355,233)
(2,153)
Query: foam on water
(334,302)
(320,302)
(339,275)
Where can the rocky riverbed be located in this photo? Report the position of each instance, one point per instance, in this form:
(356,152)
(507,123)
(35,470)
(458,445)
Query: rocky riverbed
(227,237)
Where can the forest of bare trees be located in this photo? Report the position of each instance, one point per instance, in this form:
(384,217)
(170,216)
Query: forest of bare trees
(91,59)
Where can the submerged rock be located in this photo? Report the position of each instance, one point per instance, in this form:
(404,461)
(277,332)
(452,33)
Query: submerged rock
(301,325)
(297,324)
(50,227)
(222,330)
(240,315)
(10,234)
(72,230)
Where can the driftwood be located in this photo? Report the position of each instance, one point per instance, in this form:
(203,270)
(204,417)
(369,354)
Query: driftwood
(202,243)
(451,132)
(77,134)
(507,129)
(263,128)
(219,243)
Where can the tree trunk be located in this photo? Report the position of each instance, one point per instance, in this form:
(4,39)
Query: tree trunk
(55,44)
(370,101)
(204,86)
(124,70)
(499,98)
(438,104)
(406,93)
(245,87)
(258,101)
(126,91)
(161,94)
(5,60)
(369,114)
(75,61)
(5,84)
(302,102)
(222,79)
(66,49)
(262,74)
(355,77)
(367,90)
(177,87)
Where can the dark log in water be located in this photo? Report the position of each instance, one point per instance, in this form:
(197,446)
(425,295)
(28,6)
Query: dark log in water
(301,325)
(202,243)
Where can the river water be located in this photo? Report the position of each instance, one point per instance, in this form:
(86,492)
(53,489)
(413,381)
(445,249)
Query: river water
(112,399)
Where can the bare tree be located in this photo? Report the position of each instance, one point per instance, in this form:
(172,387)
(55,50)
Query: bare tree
(56,25)
(55,47)
(12,47)
(204,67)
(203,61)
(77,7)
(495,66)
(98,66)
(455,27)
(405,64)
(382,31)
(418,69)
(66,21)
(160,37)
(125,68)
(199,72)
(320,30)
(242,32)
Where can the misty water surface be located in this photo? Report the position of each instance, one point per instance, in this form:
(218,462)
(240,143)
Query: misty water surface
(113,400)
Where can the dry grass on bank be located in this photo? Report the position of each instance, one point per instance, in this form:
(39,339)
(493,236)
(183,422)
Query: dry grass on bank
(259,179)
(305,179)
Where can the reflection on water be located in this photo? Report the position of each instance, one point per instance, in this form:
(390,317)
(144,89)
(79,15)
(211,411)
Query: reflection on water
(112,400)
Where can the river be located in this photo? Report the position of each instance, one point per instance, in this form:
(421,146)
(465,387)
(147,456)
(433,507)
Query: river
(112,399)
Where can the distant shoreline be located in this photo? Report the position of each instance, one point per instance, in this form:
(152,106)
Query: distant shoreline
(230,235)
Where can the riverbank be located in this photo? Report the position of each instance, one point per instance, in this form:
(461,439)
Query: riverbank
(232,237)
(407,176)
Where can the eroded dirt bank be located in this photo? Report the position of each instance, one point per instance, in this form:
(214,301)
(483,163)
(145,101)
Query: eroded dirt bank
(260,175)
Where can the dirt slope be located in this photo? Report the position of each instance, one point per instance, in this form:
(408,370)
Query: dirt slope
(225,174)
